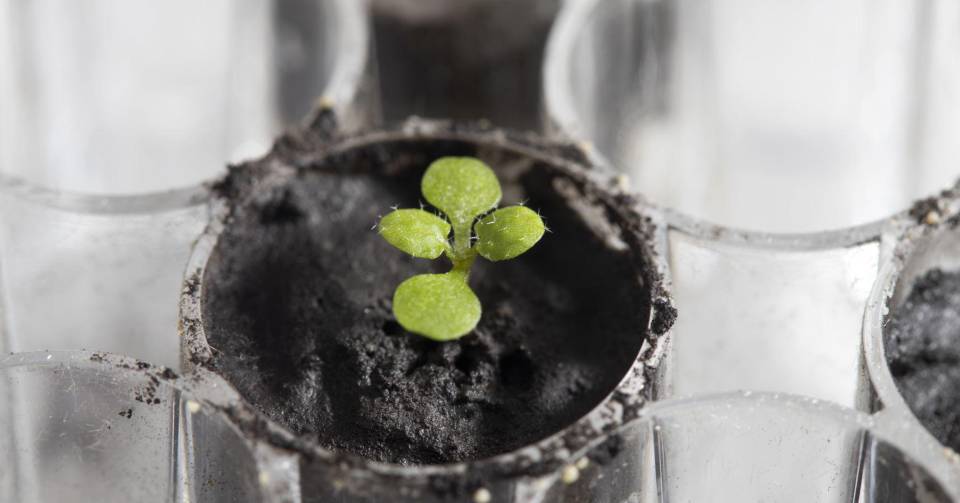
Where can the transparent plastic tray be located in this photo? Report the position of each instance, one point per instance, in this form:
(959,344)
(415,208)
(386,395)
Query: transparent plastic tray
(776,142)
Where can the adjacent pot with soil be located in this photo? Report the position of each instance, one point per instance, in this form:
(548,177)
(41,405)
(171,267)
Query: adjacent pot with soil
(288,297)
(912,324)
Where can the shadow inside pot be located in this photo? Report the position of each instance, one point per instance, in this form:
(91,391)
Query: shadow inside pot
(466,60)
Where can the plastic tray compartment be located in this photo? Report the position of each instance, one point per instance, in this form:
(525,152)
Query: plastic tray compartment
(81,426)
(778,135)
(114,114)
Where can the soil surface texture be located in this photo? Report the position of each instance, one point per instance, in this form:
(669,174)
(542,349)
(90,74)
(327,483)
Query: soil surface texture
(923,349)
(296,304)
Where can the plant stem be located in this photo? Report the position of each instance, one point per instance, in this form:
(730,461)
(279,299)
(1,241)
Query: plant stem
(461,238)
(462,255)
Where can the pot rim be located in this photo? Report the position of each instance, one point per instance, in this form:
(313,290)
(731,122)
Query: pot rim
(533,459)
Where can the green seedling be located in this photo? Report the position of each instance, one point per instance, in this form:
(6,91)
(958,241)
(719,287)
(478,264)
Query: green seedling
(442,307)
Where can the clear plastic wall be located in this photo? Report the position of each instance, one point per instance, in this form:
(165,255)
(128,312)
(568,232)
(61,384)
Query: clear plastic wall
(81,426)
(759,447)
(113,117)
(771,116)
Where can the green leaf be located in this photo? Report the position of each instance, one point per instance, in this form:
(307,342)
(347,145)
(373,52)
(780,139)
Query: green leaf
(461,187)
(417,232)
(508,232)
(441,307)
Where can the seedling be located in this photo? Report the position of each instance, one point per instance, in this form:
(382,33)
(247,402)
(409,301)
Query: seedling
(442,307)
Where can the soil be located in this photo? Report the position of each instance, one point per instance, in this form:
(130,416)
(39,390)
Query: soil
(923,350)
(435,61)
(296,304)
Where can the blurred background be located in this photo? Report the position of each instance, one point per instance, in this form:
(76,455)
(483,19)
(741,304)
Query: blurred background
(778,116)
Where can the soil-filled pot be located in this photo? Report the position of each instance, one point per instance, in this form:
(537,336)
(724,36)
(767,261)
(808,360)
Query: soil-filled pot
(912,330)
(288,297)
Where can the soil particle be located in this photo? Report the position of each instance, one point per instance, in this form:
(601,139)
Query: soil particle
(923,350)
(607,451)
(191,286)
(148,393)
(926,211)
(296,301)
(665,316)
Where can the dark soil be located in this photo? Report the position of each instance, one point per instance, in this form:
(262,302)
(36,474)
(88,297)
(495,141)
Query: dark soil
(923,349)
(296,303)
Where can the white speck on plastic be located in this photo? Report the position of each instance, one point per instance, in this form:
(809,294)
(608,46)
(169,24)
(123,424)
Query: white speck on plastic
(482,495)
